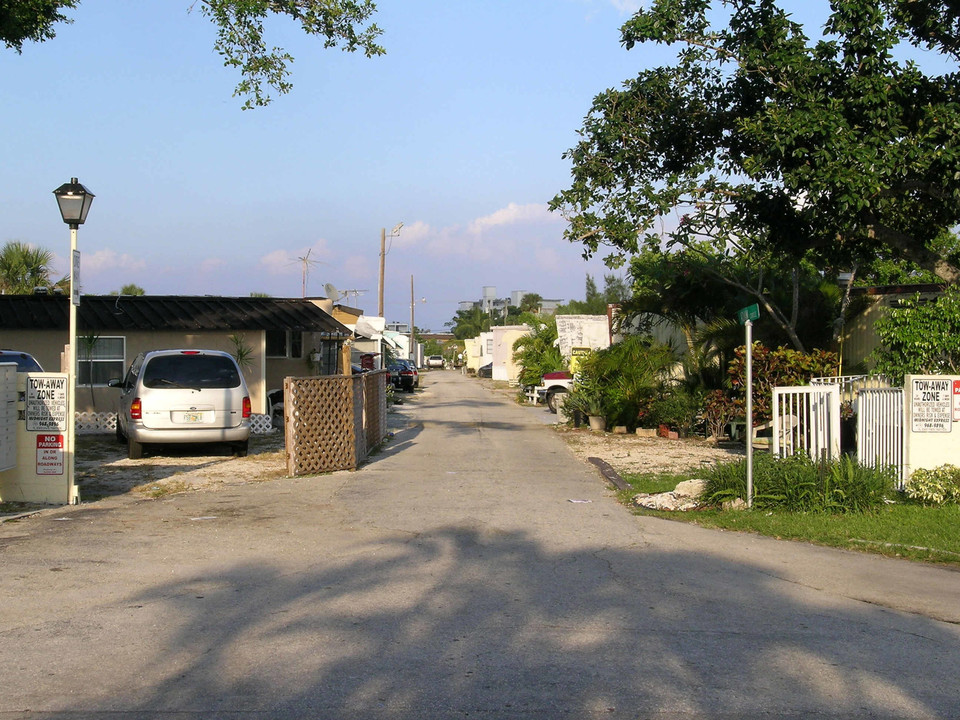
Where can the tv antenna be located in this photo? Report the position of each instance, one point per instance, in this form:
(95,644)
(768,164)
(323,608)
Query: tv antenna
(356,294)
(306,262)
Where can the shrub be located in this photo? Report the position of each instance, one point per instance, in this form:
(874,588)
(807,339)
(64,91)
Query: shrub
(798,484)
(627,376)
(777,368)
(677,409)
(935,487)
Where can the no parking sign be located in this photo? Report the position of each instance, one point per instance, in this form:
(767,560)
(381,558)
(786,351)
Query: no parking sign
(50,455)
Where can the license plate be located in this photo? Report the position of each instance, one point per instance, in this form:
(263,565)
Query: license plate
(193,417)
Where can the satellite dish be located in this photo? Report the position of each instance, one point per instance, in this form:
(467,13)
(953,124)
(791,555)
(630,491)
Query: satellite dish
(331,291)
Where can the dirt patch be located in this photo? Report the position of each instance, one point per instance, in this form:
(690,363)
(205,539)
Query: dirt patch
(103,468)
(633,454)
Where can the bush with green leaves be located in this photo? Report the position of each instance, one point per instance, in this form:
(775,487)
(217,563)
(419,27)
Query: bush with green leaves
(782,367)
(628,376)
(536,352)
(799,484)
(938,486)
(920,336)
(676,408)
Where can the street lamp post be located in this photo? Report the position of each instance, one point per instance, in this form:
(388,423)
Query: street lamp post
(74,201)
(383,257)
(413,334)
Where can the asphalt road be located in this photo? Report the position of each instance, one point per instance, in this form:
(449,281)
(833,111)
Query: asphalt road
(472,569)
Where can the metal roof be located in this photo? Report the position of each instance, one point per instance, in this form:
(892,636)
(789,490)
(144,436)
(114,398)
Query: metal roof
(166,312)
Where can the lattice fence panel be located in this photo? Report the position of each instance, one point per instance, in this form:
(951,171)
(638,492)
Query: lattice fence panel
(89,423)
(323,421)
(375,407)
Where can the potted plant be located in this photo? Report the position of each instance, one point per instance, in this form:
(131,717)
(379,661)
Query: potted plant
(588,400)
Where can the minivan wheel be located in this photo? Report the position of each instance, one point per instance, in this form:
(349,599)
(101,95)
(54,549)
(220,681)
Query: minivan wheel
(240,449)
(134,449)
(121,438)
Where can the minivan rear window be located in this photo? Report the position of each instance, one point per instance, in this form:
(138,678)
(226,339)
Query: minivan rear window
(191,371)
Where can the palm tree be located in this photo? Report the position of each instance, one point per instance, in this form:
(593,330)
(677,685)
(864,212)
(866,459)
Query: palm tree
(130,289)
(537,352)
(469,323)
(23,268)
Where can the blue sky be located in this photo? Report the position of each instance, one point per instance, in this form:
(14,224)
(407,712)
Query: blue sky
(457,132)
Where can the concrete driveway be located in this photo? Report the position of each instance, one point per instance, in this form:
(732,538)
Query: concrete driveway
(473,568)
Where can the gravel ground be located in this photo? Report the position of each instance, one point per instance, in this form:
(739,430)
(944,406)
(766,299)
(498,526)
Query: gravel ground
(632,454)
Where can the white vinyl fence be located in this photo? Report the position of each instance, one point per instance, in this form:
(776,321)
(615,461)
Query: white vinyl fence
(880,429)
(807,420)
(851,385)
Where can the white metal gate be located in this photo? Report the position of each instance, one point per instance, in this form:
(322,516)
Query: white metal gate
(880,429)
(807,420)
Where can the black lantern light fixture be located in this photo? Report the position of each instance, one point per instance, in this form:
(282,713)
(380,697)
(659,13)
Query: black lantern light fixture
(74,201)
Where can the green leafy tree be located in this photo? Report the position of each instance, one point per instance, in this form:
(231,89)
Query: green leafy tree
(920,336)
(470,323)
(697,284)
(130,289)
(24,267)
(537,353)
(615,292)
(240,33)
(773,147)
(530,303)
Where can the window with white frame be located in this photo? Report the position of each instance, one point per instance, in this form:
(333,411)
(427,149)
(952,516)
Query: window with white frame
(99,359)
(284,343)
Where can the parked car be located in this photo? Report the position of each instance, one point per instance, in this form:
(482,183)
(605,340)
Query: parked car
(25,361)
(413,366)
(486,371)
(402,375)
(435,361)
(183,396)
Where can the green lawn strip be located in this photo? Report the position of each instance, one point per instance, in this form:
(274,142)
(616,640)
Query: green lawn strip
(901,529)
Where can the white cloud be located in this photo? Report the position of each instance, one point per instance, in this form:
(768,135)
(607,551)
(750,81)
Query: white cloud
(627,6)
(411,234)
(279,262)
(513,214)
(106,260)
(211,264)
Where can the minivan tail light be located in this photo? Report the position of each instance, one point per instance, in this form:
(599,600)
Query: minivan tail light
(247,409)
(136,409)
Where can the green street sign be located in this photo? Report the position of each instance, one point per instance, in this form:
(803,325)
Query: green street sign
(751,312)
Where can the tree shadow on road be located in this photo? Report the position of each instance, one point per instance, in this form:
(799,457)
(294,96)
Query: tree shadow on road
(471,621)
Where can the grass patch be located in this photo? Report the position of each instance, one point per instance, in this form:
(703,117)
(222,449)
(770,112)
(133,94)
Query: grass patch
(157,490)
(902,528)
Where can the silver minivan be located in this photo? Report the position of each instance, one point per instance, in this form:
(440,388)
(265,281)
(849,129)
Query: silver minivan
(183,396)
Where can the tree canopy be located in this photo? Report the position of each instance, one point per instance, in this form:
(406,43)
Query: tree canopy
(773,146)
(920,336)
(240,30)
(24,267)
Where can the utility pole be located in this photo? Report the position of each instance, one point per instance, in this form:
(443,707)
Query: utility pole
(383,257)
(412,334)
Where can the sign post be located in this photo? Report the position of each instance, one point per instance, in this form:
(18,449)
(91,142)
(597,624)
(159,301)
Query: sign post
(746,316)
